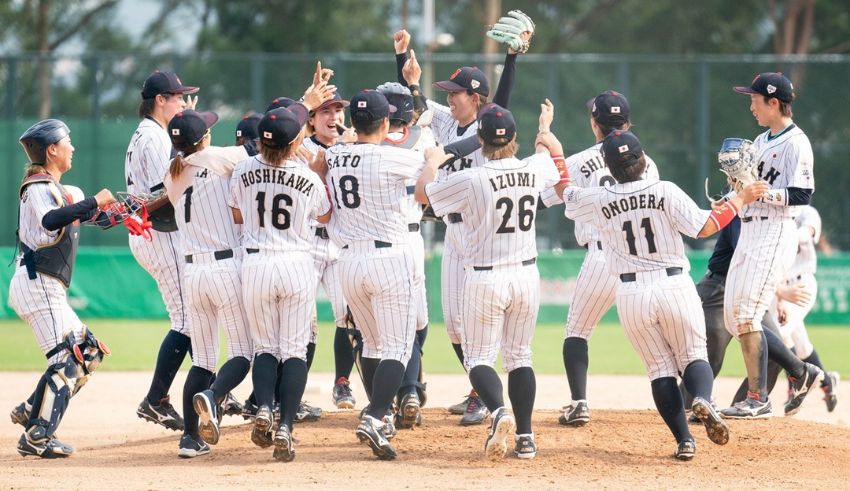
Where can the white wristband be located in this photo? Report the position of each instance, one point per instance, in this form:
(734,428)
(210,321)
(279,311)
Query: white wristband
(776,197)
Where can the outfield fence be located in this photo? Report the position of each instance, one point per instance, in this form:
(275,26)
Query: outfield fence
(108,283)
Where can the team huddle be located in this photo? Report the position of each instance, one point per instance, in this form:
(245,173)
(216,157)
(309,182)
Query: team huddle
(241,237)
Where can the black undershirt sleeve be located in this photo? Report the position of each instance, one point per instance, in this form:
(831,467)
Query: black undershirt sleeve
(506,82)
(799,196)
(60,217)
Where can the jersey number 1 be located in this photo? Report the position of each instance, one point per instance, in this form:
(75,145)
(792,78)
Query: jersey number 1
(646,225)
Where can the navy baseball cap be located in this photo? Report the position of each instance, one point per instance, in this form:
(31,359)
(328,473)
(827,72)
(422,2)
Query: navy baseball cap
(368,106)
(280,102)
(466,78)
(610,109)
(188,127)
(247,127)
(335,100)
(279,127)
(399,96)
(496,125)
(621,149)
(770,84)
(165,83)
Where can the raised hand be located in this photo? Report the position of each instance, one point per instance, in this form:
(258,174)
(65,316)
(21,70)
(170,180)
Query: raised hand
(401,41)
(412,71)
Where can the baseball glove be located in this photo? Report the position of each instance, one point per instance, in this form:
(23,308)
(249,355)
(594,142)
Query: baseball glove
(737,159)
(138,217)
(510,28)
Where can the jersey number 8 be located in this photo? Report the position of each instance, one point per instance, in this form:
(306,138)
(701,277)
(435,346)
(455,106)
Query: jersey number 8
(349,190)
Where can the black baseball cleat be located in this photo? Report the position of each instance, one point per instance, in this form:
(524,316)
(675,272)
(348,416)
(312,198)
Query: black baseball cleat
(525,447)
(20,415)
(715,428)
(208,417)
(830,390)
(371,432)
(307,413)
(686,450)
(191,447)
(249,410)
(800,388)
(409,413)
(576,414)
(161,414)
(502,426)
(283,447)
(261,434)
(231,407)
(50,449)
(476,412)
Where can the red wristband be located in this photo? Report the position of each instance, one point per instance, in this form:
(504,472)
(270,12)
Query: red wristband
(724,214)
(561,164)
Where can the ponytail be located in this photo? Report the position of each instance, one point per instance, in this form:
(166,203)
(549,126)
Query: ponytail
(33,169)
(178,163)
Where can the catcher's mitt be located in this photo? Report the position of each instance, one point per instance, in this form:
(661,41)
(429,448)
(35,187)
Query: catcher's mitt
(160,211)
(510,28)
(737,159)
(138,217)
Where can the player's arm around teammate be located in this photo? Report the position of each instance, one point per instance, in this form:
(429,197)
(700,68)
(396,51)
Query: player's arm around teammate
(501,291)
(48,233)
(198,185)
(641,225)
(275,197)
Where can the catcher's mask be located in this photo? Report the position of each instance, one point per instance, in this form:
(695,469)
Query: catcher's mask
(735,152)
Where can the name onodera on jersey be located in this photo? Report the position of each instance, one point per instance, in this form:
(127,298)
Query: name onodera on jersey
(513,179)
(278,176)
(638,202)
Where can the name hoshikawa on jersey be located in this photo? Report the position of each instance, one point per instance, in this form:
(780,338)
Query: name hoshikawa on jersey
(639,202)
(278,176)
(513,179)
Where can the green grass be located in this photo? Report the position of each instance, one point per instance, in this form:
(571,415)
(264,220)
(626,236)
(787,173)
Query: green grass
(135,343)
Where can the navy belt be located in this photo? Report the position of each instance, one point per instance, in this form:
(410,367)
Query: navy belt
(379,244)
(219,255)
(629,277)
(251,251)
(527,262)
(750,219)
(455,217)
(322,232)
(598,245)
(412,227)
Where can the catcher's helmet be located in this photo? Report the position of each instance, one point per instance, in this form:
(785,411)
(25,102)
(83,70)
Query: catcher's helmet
(399,96)
(41,135)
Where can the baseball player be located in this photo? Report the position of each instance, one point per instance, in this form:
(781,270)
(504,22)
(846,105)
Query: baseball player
(467,91)
(641,225)
(246,129)
(766,244)
(323,123)
(404,134)
(147,160)
(48,234)
(367,182)
(276,196)
(501,289)
(198,185)
(795,298)
(595,287)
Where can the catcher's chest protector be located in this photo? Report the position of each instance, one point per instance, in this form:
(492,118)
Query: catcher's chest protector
(57,259)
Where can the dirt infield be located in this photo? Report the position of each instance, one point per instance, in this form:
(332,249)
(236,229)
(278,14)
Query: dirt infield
(621,447)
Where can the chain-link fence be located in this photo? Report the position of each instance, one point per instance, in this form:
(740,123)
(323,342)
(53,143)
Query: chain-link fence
(682,108)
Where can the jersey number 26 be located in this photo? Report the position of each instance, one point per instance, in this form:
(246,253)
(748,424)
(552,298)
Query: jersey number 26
(525,215)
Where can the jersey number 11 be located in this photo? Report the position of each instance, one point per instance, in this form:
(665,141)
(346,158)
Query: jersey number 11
(646,225)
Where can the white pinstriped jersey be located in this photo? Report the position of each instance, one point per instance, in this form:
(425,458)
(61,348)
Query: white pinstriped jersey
(369,192)
(498,202)
(424,140)
(201,210)
(641,223)
(784,160)
(445,129)
(37,199)
(147,158)
(587,170)
(277,204)
(806,260)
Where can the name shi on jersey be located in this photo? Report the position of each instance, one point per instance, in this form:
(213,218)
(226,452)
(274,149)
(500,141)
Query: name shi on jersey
(277,176)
